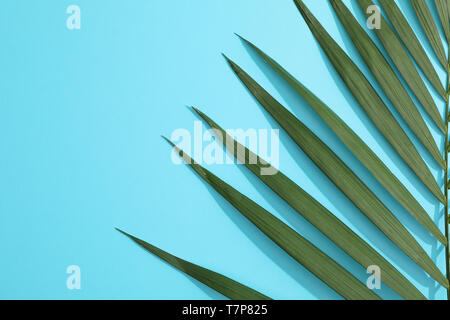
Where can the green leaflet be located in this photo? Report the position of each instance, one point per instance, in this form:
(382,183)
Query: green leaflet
(318,215)
(357,146)
(442,9)
(303,251)
(405,66)
(224,285)
(371,102)
(413,45)
(387,79)
(429,27)
(448,6)
(331,165)
(342,176)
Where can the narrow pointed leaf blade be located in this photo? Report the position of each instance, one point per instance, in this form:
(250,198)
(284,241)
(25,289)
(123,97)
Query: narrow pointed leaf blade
(342,176)
(413,45)
(387,79)
(358,147)
(318,215)
(448,6)
(442,9)
(303,251)
(222,284)
(405,66)
(371,102)
(429,27)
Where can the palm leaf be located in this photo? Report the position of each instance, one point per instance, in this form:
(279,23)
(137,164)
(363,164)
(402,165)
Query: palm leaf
(442,9)
(429,26)
(357,146)
(342,176)
(405,66)
(371,102)
(318,215)
(387,79)
(224,285)
(303,251)
(411,42)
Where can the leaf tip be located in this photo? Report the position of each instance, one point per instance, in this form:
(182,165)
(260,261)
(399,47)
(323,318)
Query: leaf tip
(226,58)
(168,140)
(197,111)
(205,118)
(231,63)
(240,37)
(123,232)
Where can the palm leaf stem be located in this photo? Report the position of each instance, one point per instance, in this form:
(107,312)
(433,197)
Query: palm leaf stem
(446,184)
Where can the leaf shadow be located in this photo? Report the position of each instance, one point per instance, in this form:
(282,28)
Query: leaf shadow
(296,271)
(303,227)
(339,201)
(213,294)
(307,230)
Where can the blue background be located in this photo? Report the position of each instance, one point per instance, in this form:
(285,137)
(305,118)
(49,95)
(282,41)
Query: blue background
(81,114)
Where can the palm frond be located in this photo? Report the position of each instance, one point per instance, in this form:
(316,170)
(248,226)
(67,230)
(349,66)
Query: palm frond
(403,48)
(317,215)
